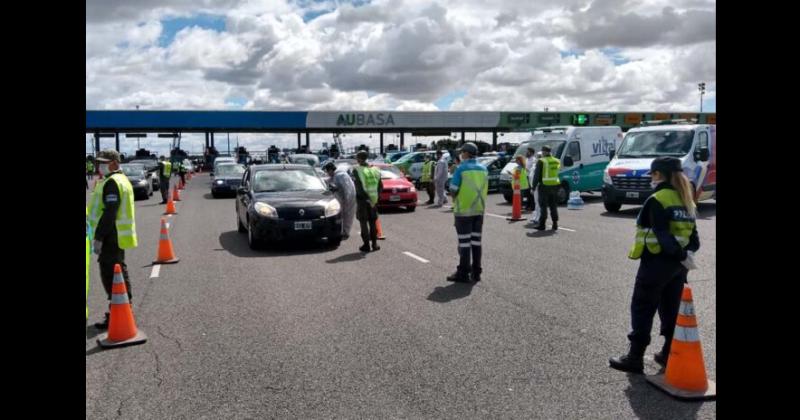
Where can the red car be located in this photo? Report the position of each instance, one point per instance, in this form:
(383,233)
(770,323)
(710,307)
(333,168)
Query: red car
(397,190)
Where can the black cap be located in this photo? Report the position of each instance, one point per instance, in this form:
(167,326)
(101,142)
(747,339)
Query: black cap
(545,148)
(329,167)
(666,164)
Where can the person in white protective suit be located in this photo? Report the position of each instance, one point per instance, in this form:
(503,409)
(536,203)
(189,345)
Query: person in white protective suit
(345,192)
(537,210)
(440,173)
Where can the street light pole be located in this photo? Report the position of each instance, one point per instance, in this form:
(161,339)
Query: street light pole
(702,88)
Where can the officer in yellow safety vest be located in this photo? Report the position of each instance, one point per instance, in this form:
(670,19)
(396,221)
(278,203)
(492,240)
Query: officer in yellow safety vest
(113,223)
(524,186)
(469,187)
(164,174)
(368,185)
(546,178)
(666,240)
(426,180)
(88,253)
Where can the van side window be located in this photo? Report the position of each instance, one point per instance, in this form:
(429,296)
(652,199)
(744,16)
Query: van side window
(574,150)
(702,140)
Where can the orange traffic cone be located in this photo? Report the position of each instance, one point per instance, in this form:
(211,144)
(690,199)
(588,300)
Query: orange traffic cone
(122,329)
(379,229)
(176,195)
(516,202)
(180,185)
(170,206)
(166,255)
(685,376)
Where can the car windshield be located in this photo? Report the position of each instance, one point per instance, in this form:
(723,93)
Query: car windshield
(486,161)
(556,147)
(656,143)
(303,160)
(287,180)
(230,170)
(406,158)
(133,170)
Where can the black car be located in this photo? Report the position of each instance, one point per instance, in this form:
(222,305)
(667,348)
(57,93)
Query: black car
(227,179)
(142,188)
(286,201)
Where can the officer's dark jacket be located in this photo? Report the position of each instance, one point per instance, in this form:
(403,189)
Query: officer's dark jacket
(106,226)
(654,216)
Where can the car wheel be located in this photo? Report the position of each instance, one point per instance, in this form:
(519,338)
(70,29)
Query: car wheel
(562,195)
(242,228)
(335,241)
(215,195)
(411,208)
(252,240)
(612,207)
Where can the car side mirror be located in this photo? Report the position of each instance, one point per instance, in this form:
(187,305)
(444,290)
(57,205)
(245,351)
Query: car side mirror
(568,161)
(701,155)
(611,154)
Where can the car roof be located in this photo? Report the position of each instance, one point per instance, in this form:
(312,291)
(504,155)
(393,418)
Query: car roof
(279,166)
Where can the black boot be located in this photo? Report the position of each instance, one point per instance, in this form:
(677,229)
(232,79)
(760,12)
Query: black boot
(102,325)
(540,226)
(632,362)
(662,356)
(364,248)
(458,278)
(555,225)
(375,246)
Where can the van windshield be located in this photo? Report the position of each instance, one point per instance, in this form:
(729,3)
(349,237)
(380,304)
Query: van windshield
(656,143)
(556,147)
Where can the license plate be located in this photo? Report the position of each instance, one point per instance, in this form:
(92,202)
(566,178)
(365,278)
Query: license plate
(302,225)
(632,195)
(394,198)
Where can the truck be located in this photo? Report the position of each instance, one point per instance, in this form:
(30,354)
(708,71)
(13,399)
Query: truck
(583,151)
(627,179)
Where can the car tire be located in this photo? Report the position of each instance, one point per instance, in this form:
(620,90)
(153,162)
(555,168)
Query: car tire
(411,209)
(562,195)
(252,240)
(612,207)
(335,241)
(240,226)
(215,195)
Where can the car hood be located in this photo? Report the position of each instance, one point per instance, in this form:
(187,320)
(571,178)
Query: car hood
(293,198)
(396,183)
(227,178)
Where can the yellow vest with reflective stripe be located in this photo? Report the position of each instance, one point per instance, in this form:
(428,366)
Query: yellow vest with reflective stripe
(681,224)
(167,171)
(427,171)
(470,199)
(523,177)
(550,167)
(126,217)
(369,178)
(88,253)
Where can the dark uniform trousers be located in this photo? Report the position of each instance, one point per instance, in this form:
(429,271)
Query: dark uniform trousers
(469,230)
(431,189)
(111,254)
(548,199)
(658,287)
(367,215)
(164,188)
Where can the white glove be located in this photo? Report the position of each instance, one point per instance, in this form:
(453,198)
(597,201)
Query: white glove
(97,245)
(689,261)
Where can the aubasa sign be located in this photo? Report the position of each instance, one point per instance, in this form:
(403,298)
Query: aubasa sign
(379,119)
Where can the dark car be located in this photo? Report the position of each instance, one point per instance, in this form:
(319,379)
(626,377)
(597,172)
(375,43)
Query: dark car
(286,201)
(142,187)
(227,179)
(151,166)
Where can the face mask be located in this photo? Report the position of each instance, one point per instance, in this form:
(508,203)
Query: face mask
(654,184)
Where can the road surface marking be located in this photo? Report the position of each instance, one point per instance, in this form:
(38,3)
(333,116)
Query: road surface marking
(418,258)
(156,271)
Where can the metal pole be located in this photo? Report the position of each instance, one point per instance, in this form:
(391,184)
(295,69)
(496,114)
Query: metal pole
(381,142)
(494,141)
(462,138)
(402,140)
(116,140)
(229,143)
(298,141)
(308,142)
(96,143)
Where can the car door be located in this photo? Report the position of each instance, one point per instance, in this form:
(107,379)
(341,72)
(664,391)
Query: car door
(494,174)
(242,201)
(574,173)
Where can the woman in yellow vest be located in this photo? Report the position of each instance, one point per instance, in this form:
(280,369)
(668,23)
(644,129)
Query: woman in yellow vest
(666,239)
(524,186)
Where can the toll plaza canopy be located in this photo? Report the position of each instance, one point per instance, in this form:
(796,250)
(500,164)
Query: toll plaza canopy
(418,123)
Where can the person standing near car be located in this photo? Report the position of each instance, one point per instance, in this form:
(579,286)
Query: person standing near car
(345,192)
(368,183)
(440,175)
(164,173)
(469,187)
(546,178)
(530,166)
(113,222)
(524,186)
(666,240)
(426,180)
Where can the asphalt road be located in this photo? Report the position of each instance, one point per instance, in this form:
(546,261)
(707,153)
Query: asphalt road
(310,331)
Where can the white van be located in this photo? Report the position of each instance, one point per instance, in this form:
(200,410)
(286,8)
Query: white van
(583,151)
(627,178)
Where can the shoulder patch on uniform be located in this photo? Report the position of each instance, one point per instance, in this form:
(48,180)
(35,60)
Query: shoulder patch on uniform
(111,198)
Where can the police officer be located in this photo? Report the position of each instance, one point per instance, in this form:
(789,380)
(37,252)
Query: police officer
(368,182)
(666,234)
(88,254)
(546,179)
(524,186)
(426,180)
(530,166)
(469,187)
(182,171)
(164,173)
(113,222)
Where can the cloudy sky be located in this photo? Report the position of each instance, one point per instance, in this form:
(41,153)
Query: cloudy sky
(591,55)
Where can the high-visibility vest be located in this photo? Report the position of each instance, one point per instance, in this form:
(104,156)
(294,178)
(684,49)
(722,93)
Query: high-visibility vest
(427,171)
(89,167)
(166,171)
(523,177)
(369,177)
(126,217)
(681,224)
(550,167)
(88,254)
(471,196)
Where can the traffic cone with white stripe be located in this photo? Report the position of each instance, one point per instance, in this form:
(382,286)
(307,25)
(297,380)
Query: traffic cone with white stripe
(166,255)
(516,202)
(379,229)
(122,329)
(170,206)
(180,185)
(176,195)
(685,376)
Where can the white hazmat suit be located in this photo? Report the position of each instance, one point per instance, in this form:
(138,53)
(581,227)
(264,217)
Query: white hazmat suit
(440,173)
(346,194)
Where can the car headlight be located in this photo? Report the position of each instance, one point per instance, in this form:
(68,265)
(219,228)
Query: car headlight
(332,208)
(412,189)
(606,177)
(265,210)
(142,182)
(219,182)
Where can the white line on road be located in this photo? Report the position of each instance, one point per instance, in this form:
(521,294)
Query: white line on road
(506,217)
(156,271)
(568,230)
(418,258)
